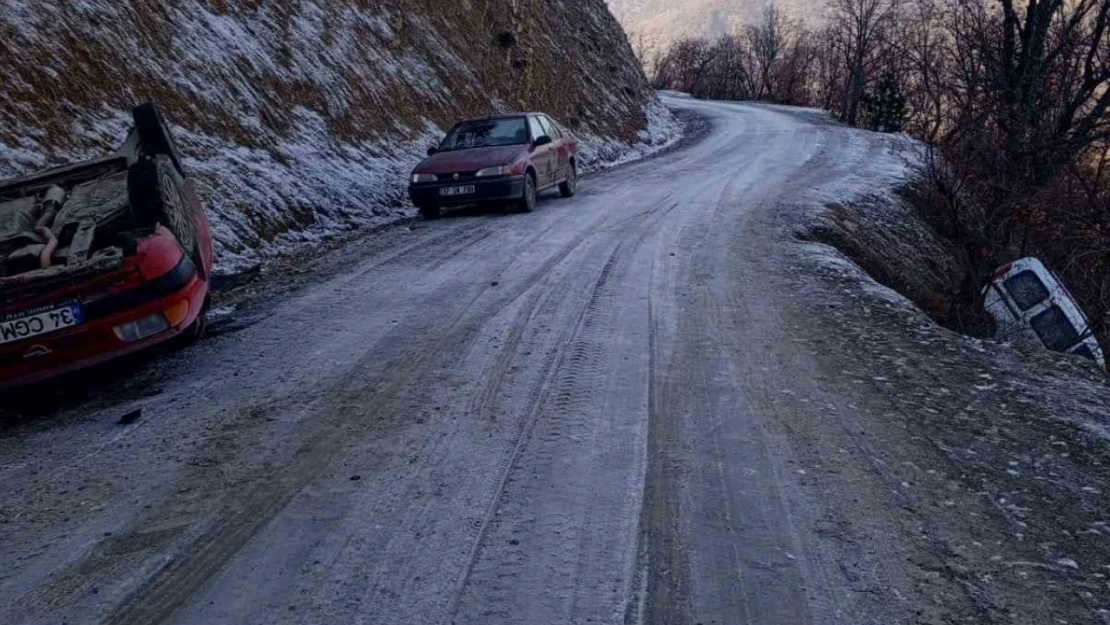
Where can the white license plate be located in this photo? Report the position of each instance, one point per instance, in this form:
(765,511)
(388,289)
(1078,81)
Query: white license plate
(39,323)
(451,191)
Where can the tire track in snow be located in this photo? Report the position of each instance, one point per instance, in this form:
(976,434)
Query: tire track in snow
(173,584)
(564,419)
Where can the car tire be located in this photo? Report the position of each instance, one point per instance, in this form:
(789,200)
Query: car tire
(154,188)
(570,186)
(196,330)
(430,213)
(527,201)
(154,133)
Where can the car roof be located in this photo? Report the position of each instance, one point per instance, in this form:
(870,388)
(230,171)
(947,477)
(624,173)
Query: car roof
(501,116)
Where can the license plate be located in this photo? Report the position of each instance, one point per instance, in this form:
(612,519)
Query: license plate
(39,323)
(450,191)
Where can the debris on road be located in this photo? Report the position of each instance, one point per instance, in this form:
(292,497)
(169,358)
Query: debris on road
(131,417)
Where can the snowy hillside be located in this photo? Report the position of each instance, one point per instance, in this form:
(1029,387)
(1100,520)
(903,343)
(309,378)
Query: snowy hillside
(303,117)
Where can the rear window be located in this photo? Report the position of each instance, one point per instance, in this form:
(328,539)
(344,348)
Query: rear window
(550,128)
(1026,289)
(537,128)
(1055,330)
(487,133)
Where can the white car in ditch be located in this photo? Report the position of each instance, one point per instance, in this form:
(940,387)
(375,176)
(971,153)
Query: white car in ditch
(1030,304)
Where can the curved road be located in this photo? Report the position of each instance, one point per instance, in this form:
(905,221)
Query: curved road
(570,416)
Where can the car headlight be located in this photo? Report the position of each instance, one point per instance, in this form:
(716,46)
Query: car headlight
(418,178)
(490,172)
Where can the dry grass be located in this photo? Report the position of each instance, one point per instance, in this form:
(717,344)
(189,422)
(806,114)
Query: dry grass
(569,58)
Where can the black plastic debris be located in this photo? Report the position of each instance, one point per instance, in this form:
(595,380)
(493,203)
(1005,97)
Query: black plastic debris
(131,417)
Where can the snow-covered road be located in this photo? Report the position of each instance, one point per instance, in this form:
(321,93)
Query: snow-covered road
(619,409)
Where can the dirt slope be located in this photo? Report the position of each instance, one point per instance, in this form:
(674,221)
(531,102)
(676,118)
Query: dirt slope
(295,113)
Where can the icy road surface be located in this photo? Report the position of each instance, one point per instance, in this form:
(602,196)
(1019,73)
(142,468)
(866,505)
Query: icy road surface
(619,409)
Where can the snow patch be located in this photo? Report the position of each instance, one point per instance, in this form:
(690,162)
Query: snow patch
(882,164)
(663,130)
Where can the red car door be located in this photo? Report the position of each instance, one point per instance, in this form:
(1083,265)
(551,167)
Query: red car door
(560,147)
(544,158)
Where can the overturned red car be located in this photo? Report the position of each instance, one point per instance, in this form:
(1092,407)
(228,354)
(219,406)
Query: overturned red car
(102,258)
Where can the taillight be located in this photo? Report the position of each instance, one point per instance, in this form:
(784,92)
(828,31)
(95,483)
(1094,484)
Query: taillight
(1005,269)
(142,328)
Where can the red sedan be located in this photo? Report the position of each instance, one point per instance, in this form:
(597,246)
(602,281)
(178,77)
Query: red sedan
(102,258)
(505,159)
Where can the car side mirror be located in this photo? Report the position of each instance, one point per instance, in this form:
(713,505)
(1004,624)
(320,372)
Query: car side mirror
(432,151)
(542,141)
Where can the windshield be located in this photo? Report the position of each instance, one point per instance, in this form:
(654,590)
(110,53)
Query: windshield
(487,133)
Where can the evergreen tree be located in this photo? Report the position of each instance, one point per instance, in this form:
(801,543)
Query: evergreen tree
(885,106)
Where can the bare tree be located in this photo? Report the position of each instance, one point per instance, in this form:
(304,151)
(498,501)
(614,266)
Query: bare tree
(923,55)
(645,49)
(730,74)
(684,65)
(768,40)
(1051,62)
(861,32)
(796,79)
(829,74)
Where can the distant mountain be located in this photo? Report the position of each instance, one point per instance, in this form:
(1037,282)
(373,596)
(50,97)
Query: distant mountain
(663,21)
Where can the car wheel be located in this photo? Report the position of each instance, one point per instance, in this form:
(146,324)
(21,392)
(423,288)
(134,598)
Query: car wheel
(197,329)
(570,186)
(154,133)
(156,195)
(430,212)
(527,202)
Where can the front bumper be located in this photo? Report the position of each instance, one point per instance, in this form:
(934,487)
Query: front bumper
(95,341)
(485,190)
